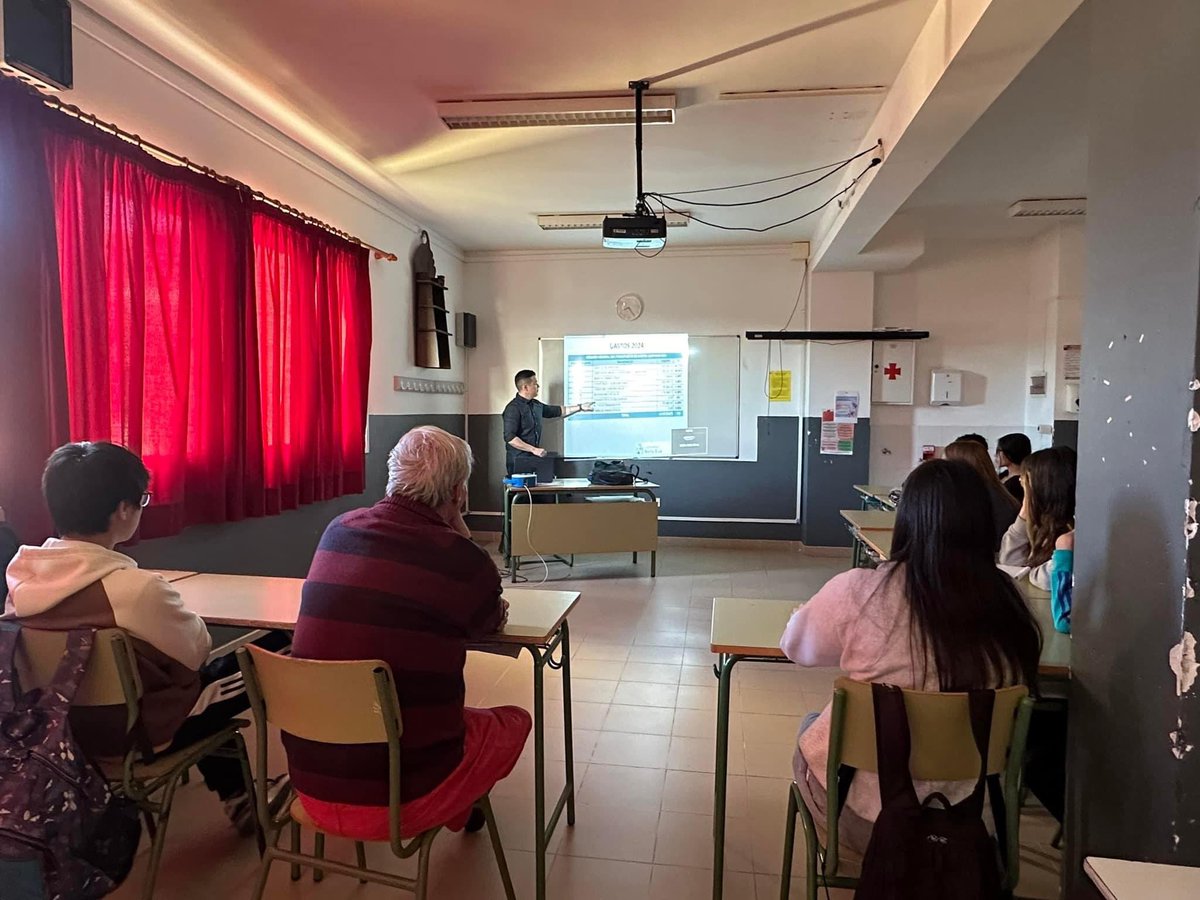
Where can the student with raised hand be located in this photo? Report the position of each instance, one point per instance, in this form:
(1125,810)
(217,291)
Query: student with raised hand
(1011,452)
(1042,538)
(1002,507)
(938,616)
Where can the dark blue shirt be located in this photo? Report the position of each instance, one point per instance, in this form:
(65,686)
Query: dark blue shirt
(523,419)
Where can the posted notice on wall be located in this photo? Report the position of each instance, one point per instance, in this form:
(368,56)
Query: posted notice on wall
(837,438)
(779,385)
(845,408)
(1072,354)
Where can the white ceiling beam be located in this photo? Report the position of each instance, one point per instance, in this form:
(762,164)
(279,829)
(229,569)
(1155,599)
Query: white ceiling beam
(966,55)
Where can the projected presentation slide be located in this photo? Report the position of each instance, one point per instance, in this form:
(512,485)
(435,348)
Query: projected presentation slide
(639,383)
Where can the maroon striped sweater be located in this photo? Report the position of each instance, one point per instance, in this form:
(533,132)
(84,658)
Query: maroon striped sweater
(394,582)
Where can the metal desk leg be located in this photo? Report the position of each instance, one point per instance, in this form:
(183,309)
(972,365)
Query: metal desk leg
(721,776)
(539,777)
(543,829)
(506,528)
(653,563)
(567,725)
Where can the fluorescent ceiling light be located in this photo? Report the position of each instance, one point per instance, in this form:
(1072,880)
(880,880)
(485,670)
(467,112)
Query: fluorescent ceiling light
(1071,206)
(657,109)
(804,92)
(574,221)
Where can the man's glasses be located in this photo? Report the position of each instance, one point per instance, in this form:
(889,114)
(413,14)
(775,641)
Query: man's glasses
(145,501)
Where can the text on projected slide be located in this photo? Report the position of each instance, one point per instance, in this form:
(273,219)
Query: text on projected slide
(639,385)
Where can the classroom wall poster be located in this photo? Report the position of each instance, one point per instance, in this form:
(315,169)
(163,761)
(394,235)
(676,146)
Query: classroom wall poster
(837,438)
(845,408)
(779,389)
(1072,354)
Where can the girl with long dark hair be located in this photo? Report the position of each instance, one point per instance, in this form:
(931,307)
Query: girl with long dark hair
(1003,506)
(938,616)
(1048,513)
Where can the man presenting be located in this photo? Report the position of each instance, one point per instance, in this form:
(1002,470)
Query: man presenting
(523,420)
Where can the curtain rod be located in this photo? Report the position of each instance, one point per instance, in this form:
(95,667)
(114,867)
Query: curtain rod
(175,159)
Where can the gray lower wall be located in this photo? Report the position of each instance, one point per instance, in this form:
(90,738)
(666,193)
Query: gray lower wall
(1066,433)
(282,545)
(828,485)
(692,488)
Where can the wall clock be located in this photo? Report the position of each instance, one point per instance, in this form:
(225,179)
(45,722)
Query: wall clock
(630,307)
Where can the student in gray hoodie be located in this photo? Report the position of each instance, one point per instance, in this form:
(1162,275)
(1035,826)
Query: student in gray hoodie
(96,493)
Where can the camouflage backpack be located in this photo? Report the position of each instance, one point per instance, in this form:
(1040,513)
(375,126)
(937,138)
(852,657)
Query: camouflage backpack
(61,830)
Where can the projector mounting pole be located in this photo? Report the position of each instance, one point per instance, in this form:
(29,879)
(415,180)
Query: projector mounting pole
(639,87)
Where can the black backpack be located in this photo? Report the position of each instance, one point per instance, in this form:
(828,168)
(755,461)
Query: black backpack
(63,835)
(931,850)
(613,472)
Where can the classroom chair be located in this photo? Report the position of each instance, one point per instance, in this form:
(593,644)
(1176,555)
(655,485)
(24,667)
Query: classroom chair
(335,702)
(943,749)
(111,679)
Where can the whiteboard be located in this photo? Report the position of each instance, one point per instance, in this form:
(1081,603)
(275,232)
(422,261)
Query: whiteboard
(714,388)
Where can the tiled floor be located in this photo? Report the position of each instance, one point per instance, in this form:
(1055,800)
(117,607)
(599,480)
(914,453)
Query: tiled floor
(644,718)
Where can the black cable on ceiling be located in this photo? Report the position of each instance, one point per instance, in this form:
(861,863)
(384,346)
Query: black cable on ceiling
(874,162)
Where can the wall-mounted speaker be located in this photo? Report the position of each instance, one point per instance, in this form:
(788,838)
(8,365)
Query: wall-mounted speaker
(464,331)
(35,42)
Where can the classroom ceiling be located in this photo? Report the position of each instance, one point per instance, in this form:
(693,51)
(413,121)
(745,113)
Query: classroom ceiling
(1030,144)
(369,72)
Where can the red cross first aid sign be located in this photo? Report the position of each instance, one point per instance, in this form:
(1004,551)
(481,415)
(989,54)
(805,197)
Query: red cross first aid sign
(893,372)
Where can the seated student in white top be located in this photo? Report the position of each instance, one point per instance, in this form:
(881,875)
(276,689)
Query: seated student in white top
(96,493)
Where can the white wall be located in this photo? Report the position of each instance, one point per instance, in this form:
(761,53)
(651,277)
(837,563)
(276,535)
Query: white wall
(839,301)
(122,81)
(522,296)
(998,311)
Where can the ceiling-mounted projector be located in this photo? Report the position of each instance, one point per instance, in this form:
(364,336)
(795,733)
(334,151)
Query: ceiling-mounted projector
(635,232)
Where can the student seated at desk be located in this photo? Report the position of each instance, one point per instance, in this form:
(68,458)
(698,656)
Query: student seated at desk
(1042,538)
(96,493)
(1011,452)
(938,616)
(402,581)
(1003,508)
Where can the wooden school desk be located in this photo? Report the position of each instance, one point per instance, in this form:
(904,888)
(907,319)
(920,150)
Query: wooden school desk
(601,524)
(537,622)
(751,629)
(172,574)
(1122,879)
(875,496)
(859,521)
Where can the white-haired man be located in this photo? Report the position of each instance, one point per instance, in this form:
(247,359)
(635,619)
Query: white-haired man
(402,581)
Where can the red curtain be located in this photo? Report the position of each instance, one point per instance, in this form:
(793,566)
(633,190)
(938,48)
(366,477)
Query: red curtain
(312,301)
(33,390)
(229,348)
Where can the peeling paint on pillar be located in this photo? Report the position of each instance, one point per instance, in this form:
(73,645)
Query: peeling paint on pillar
(1182,660)
(1179,745)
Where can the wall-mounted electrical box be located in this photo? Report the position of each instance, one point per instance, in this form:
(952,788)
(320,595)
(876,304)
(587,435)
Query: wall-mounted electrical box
(1070,398)
(945,388)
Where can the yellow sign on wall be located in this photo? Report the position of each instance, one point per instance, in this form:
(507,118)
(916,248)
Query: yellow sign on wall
(779,387)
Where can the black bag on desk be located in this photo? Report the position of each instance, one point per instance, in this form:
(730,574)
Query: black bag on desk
(613,472)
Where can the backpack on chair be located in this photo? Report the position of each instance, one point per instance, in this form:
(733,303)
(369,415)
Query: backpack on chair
(918,851)
(61,828)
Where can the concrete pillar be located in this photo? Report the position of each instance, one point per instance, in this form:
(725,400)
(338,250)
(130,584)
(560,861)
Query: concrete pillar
(1134,758)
